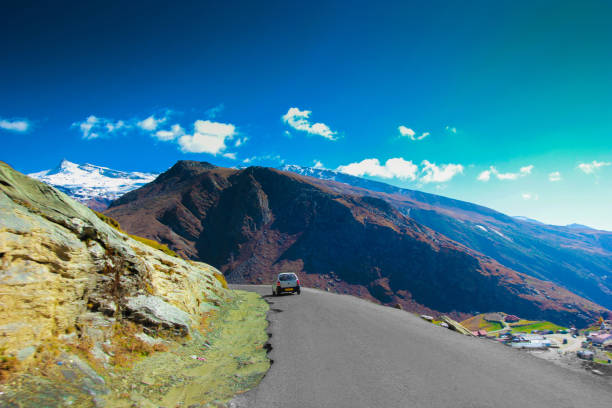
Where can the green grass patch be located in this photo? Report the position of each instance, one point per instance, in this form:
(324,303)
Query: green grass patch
(478,322)
(490,326)
(593,328)
(232,360)
(540,325)
(523,322)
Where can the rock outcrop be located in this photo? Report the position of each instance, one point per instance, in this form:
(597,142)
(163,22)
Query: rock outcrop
(65,274)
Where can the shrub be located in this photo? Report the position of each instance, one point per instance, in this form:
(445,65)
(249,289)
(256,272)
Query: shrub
(127,348)
(84,344)
(110,221)
(154,244)
(8,365)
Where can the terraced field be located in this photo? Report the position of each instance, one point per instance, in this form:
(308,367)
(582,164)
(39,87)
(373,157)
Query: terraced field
(479,322)
(529,326)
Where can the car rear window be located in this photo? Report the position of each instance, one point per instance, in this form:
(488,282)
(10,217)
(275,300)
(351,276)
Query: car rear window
(286,277)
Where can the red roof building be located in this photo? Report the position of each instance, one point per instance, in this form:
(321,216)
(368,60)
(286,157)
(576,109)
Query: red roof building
(511,318)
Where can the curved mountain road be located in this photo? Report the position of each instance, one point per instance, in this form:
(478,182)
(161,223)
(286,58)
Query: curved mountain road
(333,350)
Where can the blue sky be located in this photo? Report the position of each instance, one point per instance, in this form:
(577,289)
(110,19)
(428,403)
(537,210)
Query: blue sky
(506,104)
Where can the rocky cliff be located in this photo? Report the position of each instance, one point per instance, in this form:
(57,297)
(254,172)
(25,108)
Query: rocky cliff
(66,277)
(256,222)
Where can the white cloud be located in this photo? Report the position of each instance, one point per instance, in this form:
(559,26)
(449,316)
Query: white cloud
(175,131)
(241,141)
(150,123)
(451,129)
(589,168)
(318,165)
(298,120)
(404,131)
(15,125)
(208,137)
(407,132)
(554,176)
(431,173)
(267,157)
(403,170)
(214,111)
(486,175)
(507,176)
(111,127)
(94,127)
(530,196)
(393,168)
(87,126)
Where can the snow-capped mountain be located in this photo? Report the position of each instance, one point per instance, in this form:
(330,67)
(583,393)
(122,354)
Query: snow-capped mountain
(92,185)
(326,174)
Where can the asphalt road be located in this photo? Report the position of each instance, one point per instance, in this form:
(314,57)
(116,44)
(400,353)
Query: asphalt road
(338,351)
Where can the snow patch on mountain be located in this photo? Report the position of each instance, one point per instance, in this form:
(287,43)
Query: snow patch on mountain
(500,234)
(323,174)
(480,227)
(92,185)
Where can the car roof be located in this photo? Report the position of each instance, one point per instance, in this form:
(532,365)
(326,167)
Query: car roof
(287,273)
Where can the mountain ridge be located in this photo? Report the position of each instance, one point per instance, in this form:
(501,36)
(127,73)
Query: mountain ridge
(381,186)
(255,222)
(576,257)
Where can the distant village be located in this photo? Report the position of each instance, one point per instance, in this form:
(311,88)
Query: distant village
(591,346)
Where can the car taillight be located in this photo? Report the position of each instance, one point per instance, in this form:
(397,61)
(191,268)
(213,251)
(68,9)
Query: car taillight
(277,283)
(298,282)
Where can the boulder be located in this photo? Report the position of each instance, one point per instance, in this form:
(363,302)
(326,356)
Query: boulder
(152,311)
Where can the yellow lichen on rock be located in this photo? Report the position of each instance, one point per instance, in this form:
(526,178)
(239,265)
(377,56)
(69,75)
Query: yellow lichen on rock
(66,273)
(45,272)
